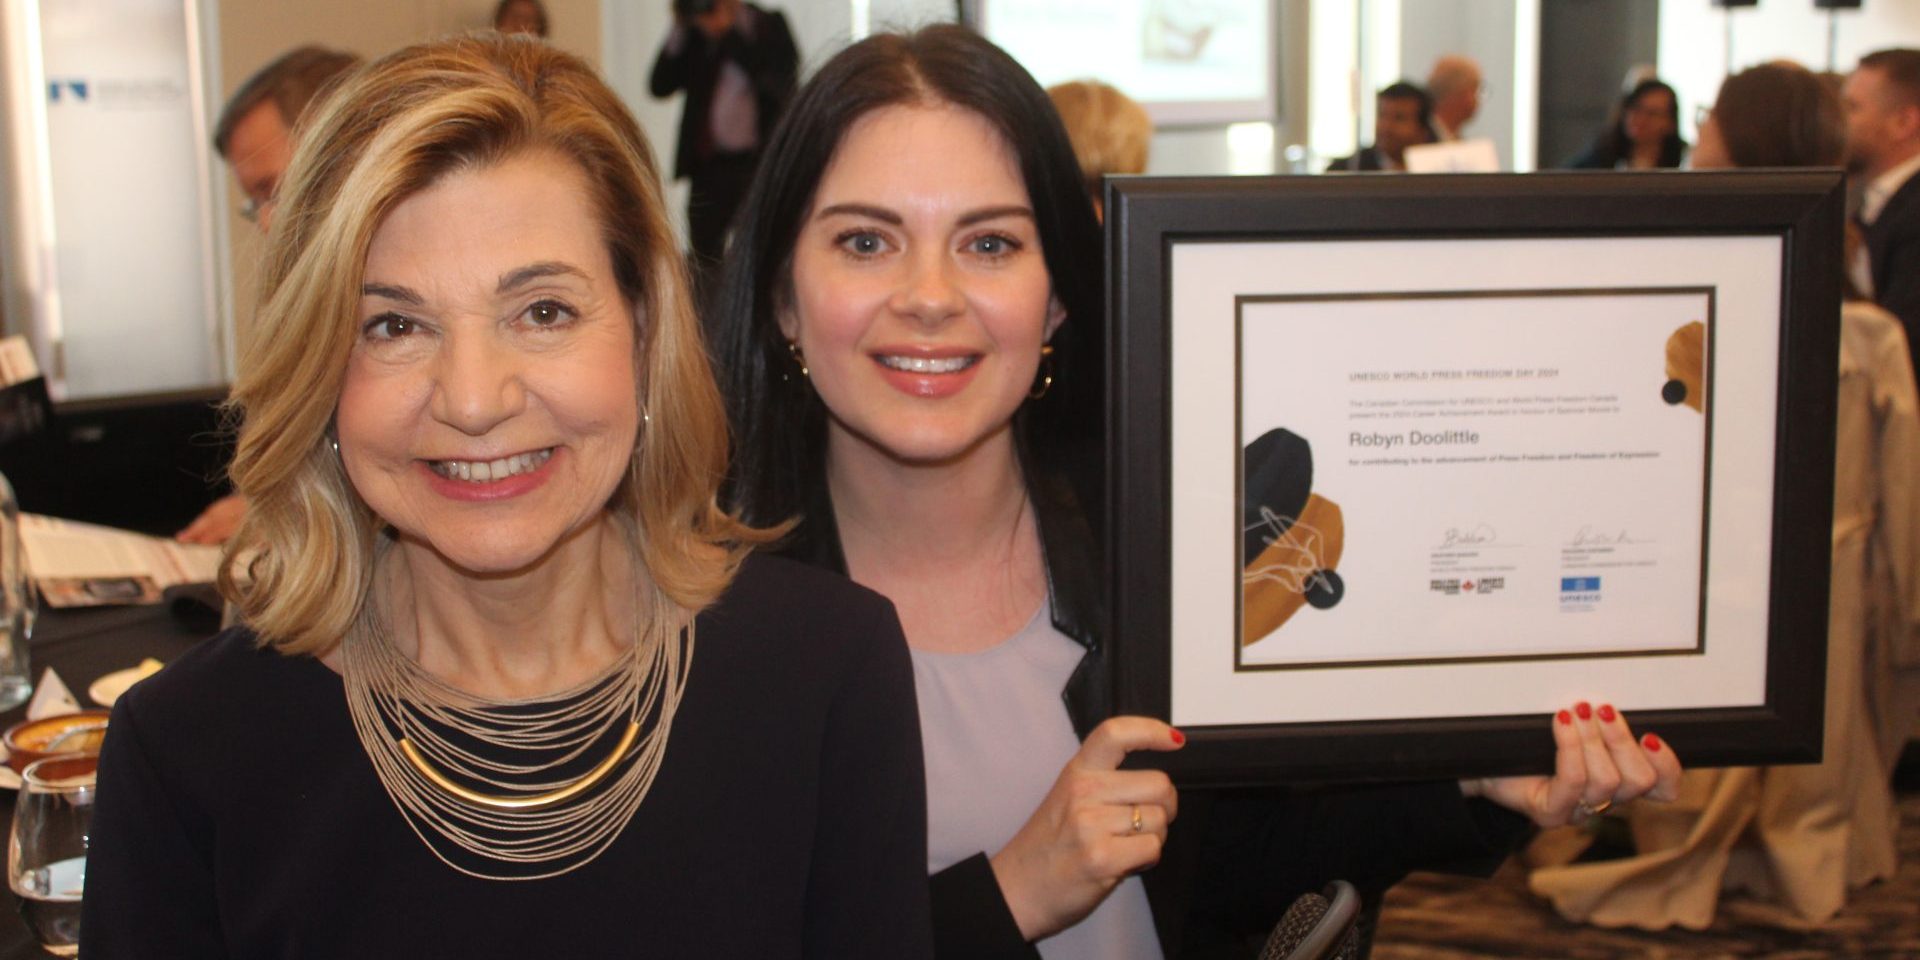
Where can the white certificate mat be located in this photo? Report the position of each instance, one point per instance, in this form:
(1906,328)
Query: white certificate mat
(1572,497)
(1506,474)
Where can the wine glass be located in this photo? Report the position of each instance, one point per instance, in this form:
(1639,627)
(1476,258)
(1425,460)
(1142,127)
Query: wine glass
(19,605)
(47,849)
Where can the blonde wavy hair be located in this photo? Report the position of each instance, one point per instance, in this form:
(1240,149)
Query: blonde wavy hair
(391,129)
(1110,132)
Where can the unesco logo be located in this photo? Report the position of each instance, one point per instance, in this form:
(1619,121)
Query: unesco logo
(1579,593)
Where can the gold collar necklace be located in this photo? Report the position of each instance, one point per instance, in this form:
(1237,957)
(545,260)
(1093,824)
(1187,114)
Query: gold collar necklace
(480,776)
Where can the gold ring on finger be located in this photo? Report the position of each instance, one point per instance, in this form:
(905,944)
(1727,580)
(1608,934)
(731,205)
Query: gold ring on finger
(1136,818)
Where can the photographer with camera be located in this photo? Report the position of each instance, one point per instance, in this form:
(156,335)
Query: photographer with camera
(738,66)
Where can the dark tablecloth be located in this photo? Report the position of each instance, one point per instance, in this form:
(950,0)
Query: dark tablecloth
(82,646)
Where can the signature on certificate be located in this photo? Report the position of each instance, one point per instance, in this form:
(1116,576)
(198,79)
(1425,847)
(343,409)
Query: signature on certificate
(1592,536)
(1477,535)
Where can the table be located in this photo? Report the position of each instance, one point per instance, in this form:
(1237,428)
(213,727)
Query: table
(82,646)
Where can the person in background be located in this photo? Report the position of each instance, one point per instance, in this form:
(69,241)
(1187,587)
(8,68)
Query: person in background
(255,132)
(521,16)
(738,66)
(1882,99)
(510,683)
(1402,118)
(255,137)
(1455,85)
(1110,132)
(910,334)
(1644,134)
(1799,838)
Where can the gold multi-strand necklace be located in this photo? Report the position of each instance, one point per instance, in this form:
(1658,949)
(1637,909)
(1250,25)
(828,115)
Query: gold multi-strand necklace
(481,774)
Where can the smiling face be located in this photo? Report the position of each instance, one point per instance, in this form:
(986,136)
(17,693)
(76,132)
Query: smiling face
(920,296)
(490,403)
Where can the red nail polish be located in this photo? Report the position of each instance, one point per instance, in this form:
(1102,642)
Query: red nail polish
(1583,709)
(1652,742)
(1606,713)
(1565,718)
(1178,737)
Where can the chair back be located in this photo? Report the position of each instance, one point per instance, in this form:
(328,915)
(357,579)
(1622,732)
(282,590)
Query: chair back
(1318,927)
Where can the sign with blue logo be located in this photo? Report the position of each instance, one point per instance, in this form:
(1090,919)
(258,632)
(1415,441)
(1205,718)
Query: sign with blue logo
(76,88)
(1579,584)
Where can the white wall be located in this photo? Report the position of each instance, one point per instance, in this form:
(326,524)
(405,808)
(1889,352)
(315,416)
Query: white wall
(1483,30)
(110,237)
(1359,46)
(1693,40)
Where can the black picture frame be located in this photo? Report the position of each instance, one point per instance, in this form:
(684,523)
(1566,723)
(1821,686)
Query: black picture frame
(1148,216)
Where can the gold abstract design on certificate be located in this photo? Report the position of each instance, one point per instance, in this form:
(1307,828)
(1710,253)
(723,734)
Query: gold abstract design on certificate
(1687,366)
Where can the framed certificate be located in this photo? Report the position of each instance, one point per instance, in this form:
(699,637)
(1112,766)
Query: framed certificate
(1403,465)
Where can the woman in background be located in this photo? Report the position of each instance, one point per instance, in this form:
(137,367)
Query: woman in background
(1109,131)
(1644,134)
(910,332)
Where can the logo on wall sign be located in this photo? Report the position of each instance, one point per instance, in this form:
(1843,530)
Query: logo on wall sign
(77,90)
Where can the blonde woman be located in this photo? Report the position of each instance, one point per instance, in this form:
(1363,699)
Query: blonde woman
(509,685)
(1109,131)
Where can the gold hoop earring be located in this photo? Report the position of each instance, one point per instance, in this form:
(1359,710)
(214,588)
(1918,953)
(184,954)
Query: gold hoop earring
(799,359)
(1045,381)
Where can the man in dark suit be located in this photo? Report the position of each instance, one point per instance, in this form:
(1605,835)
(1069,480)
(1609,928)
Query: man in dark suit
(1402,118)
(1882,99)
(738,66)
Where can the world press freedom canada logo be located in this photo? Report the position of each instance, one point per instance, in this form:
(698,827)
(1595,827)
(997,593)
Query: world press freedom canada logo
(1456,587)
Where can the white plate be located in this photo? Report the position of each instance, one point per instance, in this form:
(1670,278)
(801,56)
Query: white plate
(107,689)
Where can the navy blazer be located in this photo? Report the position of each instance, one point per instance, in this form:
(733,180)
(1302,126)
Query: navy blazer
(1365,161)
(1893,253)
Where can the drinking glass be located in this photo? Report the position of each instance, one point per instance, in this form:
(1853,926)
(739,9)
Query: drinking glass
(47,849)
(19,604)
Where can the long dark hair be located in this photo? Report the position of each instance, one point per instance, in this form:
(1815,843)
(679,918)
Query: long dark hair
(1615,144)
(779,422)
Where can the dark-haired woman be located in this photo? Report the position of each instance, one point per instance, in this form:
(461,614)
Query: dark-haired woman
(1644,134)
(910,332)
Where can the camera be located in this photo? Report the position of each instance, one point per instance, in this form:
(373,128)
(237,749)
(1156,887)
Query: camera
(693,8)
